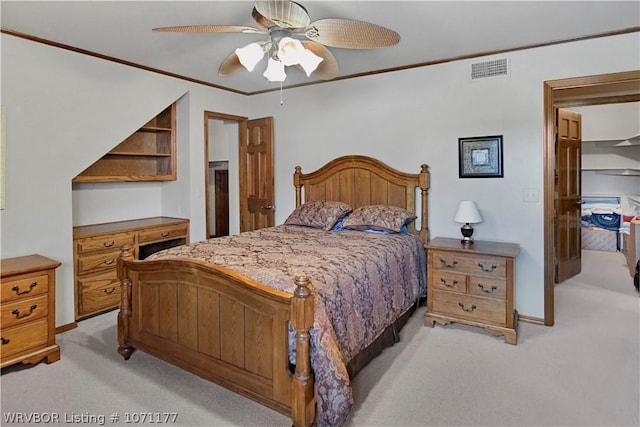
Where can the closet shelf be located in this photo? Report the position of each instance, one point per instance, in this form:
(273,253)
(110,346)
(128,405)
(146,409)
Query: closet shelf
(154,129)
(623,172)
(132,153)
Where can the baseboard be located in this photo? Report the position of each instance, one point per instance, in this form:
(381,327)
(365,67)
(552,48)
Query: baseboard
(531,319)
(67,327)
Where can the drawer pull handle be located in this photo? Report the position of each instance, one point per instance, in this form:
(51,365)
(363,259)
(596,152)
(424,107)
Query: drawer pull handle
(16,312)
(452,265)
(449,285)
(165,233)
(473,307)
(5,341)
(109,244)
(19,292)
(111,261)
(109,291)
(487,270)
(489,291)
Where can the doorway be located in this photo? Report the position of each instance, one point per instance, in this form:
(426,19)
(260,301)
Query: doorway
(222,136)
(566,93)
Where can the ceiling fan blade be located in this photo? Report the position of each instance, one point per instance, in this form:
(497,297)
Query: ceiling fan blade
(230,65)
(261,20)
(350,34)
(284,13)
(328,68)
(211,29)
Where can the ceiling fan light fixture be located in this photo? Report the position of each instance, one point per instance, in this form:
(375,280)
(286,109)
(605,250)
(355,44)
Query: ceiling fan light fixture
(310,61)
(250,55)
(275,71)
(292,52)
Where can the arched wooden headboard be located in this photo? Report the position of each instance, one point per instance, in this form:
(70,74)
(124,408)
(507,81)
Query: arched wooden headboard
(360,181)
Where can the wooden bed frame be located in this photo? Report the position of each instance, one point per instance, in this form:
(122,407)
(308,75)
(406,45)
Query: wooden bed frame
(232,330)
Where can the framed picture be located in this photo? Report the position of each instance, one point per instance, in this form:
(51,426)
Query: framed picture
(3,156)
(480,157)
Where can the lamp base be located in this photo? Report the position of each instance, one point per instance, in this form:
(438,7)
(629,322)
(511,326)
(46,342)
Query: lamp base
(467,232)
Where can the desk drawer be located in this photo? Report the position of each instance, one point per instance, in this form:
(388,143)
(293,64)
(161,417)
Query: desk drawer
(163,233)
(98,299)
(98,292)
(98,262)
(99,243)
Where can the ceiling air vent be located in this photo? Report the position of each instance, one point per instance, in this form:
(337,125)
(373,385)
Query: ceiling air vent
(498,67)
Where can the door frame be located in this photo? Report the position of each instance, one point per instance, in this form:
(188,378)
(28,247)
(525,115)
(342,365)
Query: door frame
(242,124)
(572,92)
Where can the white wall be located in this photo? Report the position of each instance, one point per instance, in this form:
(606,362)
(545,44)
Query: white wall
(416,116)
(65,110)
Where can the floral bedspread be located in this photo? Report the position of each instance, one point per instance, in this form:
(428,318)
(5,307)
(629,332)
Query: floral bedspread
(362,282)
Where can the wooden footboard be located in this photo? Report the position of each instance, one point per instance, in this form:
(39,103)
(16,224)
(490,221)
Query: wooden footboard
(220,326)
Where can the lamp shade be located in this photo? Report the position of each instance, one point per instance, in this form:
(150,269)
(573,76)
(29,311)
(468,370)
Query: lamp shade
(275,71)
(250,55)
(467,213)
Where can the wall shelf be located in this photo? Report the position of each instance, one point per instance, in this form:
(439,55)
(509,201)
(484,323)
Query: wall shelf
(147,155)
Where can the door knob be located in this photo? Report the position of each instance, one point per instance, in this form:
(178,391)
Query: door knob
(268,207)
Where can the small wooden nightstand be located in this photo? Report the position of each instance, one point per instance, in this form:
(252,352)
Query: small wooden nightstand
(472,284)
(28,305)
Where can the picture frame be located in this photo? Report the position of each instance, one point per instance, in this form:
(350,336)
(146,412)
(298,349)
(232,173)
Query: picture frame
(3,157)
(480,157)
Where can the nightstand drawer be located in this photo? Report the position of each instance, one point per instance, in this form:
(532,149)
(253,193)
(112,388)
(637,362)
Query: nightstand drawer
(453,282)
(469,307)
(23,311)
(98,243)
(492,266)
(24,337)
(490,287)
(24,288)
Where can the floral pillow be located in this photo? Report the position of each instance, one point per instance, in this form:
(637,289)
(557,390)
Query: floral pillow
(379,217)
(321,214)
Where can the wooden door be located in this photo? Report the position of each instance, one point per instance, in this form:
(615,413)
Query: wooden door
(221,180)
(256,175)
(568,238)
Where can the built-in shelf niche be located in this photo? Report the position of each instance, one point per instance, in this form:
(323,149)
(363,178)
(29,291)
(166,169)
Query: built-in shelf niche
(147,155)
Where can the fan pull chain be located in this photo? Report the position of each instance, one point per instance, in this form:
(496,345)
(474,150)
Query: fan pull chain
(281,98)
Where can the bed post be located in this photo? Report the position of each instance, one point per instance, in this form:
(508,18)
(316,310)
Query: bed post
(125,304)
(296,183)
(424,198)
(303,404)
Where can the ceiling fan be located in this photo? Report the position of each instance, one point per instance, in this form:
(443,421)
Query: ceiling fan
(295,40)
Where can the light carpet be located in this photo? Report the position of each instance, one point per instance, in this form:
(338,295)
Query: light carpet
(583,371)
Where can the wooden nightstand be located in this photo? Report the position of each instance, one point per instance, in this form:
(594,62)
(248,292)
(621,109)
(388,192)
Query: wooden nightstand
(472,284)
(28,305)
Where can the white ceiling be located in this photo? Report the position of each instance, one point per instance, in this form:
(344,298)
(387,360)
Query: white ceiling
(430,31)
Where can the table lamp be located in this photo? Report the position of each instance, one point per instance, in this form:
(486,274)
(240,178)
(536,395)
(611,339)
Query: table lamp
(467,214)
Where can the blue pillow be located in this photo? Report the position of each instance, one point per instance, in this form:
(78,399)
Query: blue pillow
(339,227)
